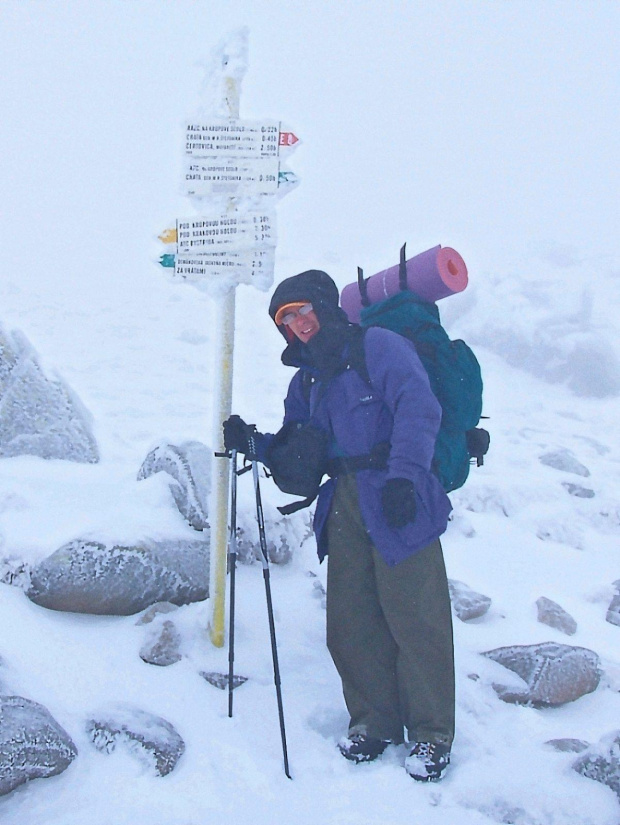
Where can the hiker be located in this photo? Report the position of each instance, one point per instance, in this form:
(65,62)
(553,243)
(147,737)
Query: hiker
(379,517)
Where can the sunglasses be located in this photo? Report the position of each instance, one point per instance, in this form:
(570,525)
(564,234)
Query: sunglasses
(289,317)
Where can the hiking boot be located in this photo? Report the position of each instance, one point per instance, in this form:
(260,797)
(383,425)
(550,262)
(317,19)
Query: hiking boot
(427,761)
(361,748)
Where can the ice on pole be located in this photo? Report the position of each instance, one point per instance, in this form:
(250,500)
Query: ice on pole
(234,172)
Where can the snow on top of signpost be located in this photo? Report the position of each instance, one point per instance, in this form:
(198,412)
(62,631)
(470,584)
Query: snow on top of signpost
(229,62)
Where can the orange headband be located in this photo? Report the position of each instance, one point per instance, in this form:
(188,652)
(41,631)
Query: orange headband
(287,308)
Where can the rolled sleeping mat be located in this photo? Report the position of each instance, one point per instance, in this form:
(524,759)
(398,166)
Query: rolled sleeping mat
(432,275)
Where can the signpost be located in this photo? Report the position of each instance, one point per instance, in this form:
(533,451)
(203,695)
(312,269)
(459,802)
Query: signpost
(233,173)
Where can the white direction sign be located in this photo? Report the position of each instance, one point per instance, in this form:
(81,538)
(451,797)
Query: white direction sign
(240,267)
(232,177)
(234,231)
(221,137)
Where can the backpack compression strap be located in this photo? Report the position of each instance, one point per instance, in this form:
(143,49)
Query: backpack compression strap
(402,270)
(363,287)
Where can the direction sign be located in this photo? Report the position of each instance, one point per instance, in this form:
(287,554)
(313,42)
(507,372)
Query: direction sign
(233,138)
(217,232)
(232,177)
(238,267)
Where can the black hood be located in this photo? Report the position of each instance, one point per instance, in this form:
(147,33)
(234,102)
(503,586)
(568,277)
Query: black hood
(314,286)
(318,289)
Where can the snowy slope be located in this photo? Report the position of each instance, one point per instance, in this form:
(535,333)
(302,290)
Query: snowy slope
(93,100)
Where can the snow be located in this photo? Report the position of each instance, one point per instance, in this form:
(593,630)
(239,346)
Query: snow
(488,127)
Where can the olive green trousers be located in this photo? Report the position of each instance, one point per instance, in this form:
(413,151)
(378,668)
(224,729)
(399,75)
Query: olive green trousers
(389,631)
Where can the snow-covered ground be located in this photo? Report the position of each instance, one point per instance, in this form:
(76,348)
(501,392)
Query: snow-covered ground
(484,126)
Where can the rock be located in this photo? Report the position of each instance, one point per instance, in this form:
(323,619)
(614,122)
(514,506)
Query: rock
(279,551)
(602,762)
(150,738)
(613,611)
(568,745)
(155,610)
(189,465)
(577,490)
(466,603)
(220,680)
(39,415)
(163,647)
(554,673)
(565,461)
(32,744)
(550,613)
(15,571)
(90,577)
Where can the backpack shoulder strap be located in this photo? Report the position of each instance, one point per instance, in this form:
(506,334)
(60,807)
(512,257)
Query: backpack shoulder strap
(356,357)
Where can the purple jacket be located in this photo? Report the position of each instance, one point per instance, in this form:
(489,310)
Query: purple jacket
(399,408)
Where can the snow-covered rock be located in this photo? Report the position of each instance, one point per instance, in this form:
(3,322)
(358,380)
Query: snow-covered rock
(602,762)
(554,674)
(163,645)
(577,490)
(155,610)
(32,744)
(39,415)
(466,603)
(91,577)
(189,466)
(149,738)
(565,461)
(550,613)
(568,745)
(613,611)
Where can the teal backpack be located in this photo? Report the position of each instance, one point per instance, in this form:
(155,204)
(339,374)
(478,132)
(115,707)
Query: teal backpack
(453,371)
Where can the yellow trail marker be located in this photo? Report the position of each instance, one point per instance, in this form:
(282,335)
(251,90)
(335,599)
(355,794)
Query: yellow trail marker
(168,236)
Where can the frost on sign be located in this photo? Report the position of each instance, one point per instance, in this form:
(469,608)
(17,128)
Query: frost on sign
(233,138)
(244,267)
(232,177)
(217,232)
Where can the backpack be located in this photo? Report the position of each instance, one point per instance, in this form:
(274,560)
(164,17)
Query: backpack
(453,371)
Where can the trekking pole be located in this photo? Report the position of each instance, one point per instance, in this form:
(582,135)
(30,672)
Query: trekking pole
(232,560)
(272,628)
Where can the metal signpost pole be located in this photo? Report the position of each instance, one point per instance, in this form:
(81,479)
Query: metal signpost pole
(222,406)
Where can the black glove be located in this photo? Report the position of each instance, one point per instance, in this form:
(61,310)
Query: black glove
(237,434)
(398,500)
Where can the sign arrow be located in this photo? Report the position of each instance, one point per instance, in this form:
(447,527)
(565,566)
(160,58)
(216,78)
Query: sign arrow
(168,236)
(288,139)
(167,260)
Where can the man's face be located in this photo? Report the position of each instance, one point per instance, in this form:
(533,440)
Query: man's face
(302,322)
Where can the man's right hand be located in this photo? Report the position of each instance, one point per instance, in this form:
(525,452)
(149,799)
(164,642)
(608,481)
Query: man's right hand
(237,434)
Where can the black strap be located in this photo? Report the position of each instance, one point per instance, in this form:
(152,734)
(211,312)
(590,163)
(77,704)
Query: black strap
(402,269)
(363,287)
(375,460)
(288,509)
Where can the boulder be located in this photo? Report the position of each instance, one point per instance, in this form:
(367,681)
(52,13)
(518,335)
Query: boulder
(39,415)
(156,610)
(466,603)
(90,577)
(32,744)
(568,745)
(602,762)
(577,490)
(189,467)
(551,614)
(554,673)
(565,461)
(149,738)
(613,611)
(163,647)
